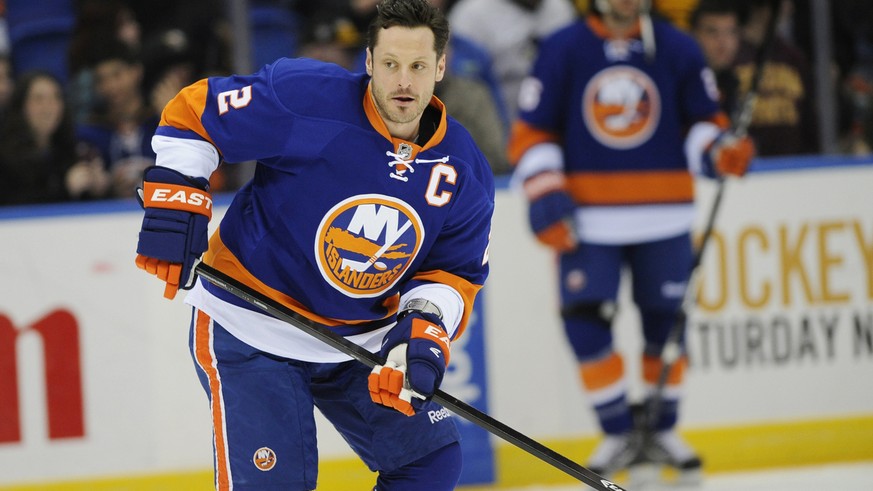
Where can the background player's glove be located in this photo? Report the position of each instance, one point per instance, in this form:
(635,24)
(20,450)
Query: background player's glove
(728,154)
(175,226)
(416,353)
(551,211)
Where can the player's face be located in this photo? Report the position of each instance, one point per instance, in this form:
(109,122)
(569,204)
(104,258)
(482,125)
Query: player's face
(624,10)
(404,69)
(719,38)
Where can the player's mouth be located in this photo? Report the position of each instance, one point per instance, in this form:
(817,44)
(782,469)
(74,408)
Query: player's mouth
(403,100)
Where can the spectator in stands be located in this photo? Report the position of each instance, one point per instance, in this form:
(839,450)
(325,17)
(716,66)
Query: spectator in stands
(510,31)
(98,23)
(122,125)
(784,118)
(38,150)
(715,24)
(853,53)
(335,40)
(7,84)
(470,101)
(203,24)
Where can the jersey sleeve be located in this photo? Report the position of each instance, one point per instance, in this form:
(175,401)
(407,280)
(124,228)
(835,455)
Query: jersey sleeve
(240,115)
(542,100)
(459,256)
(698,90)
(263,116)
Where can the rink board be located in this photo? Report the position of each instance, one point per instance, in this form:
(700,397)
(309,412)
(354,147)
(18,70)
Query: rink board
(781,346)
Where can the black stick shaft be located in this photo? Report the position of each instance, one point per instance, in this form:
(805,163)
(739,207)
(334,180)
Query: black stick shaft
(740,122)
(369,359)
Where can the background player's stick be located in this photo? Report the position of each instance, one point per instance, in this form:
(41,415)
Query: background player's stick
(740,126)
(369,359)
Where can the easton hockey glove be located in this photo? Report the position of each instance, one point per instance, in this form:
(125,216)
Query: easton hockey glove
(175,226)
(728,154)
(416,353)
(551,210)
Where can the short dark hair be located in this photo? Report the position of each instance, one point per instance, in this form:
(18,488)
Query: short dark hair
(114,51)
(718,7)
(410,13)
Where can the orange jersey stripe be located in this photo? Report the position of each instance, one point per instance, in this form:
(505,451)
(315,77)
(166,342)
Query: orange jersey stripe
(524,136)
(631,187)
(206,361)
(652,370)
(467,290)
(602,373)
(220,257)
(184,111)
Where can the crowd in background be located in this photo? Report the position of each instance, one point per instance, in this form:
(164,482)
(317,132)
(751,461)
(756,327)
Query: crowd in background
(83,82)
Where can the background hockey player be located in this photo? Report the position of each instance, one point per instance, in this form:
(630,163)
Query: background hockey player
(369,211)
(617,114)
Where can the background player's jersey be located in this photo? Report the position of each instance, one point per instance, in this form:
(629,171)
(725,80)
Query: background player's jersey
(621,121)
(340,219)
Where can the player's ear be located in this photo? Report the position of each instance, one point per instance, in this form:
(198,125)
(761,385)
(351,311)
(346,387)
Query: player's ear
(369,62)
(441,67)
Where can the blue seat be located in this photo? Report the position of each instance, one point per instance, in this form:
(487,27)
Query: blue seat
(274,33)
(39,35)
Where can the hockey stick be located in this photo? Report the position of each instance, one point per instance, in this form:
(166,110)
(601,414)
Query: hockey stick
(324,334)
(672,349)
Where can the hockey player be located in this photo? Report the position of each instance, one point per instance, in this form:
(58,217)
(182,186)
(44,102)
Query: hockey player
(369,212)
(617,114)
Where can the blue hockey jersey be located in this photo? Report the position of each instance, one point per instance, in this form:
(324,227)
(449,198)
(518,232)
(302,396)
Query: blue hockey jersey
(621,121)
(340,219)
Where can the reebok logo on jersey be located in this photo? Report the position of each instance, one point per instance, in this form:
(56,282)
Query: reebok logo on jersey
(439,415)
(264,458)
(366,242)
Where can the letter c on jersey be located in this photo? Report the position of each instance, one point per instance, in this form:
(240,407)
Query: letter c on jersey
(440,173)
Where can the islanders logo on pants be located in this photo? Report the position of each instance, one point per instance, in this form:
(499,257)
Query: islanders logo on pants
(366,242)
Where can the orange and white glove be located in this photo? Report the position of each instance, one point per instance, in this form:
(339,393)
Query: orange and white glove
(416,353)
(727,155)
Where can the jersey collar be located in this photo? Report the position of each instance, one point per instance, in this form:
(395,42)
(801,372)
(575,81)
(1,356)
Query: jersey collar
(379,125)
(600,30)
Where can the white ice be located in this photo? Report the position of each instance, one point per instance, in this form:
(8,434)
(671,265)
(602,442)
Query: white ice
(834,477)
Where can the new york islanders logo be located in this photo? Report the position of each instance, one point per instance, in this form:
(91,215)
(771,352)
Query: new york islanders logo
(264,459)
(366,242)
(621,107)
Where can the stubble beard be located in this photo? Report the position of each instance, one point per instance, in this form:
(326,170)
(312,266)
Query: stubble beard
(396,115)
